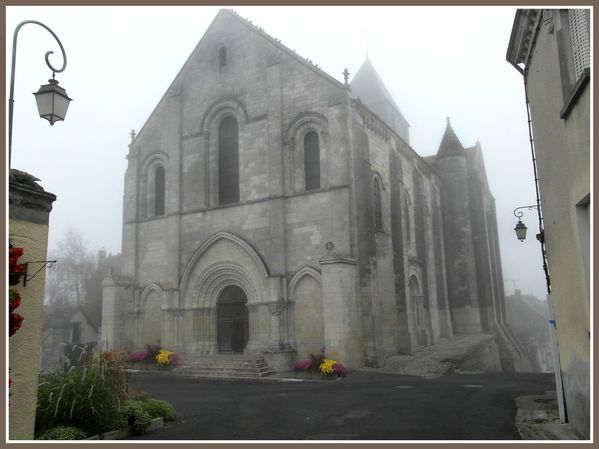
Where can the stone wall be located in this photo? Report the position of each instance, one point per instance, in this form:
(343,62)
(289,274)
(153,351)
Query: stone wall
(29,210)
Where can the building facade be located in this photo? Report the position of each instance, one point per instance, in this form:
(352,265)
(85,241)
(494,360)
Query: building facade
(551,49)
(270,208)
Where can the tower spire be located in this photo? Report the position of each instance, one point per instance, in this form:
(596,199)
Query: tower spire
(450,144)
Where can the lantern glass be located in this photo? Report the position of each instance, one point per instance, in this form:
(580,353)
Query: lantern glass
(520,230)
(52,102)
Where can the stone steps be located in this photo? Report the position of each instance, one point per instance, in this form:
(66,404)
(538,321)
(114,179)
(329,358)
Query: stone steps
(225,366)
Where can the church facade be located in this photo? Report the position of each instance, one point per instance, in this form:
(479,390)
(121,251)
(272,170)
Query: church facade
(271,209)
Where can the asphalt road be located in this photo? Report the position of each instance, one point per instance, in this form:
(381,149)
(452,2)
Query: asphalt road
(362,406)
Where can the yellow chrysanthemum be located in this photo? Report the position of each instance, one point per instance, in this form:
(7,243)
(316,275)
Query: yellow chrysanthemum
(326,367)
(163,357)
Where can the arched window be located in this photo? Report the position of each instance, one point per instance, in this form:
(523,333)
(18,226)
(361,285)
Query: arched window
(228,161)
(222,57)
(312,161)
(408,219)
(159,190)
(378,207)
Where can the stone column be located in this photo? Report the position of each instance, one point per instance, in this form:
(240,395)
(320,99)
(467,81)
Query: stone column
(342,326)
(115,295)
(275,326)
(29,212)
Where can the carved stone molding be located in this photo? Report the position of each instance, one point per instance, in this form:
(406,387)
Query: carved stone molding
(275,309)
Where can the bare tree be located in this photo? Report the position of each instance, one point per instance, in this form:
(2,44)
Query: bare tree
(76,264)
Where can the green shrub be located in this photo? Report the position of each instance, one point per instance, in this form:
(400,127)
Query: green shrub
(88,396)
(64,433)
(160,409)
(139,395)
(136,416)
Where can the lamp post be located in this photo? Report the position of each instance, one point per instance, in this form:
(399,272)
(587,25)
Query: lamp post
(52,100)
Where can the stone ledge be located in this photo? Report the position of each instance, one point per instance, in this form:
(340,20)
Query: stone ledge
(337,258)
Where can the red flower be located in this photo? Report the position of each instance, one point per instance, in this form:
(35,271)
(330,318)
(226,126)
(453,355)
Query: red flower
(16,321)
(16,269)
(14,299)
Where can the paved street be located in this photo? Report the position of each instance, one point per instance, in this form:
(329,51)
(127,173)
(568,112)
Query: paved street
(363,406)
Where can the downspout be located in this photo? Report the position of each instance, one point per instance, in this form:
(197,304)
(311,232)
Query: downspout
(541,234)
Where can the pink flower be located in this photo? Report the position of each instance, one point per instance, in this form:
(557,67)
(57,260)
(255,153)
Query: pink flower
(302,365)
(340,370)
(138,356)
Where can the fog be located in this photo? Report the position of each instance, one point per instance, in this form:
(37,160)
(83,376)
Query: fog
(437,62)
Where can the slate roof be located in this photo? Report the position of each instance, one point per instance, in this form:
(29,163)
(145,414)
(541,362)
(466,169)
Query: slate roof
(450,144)
(369,87)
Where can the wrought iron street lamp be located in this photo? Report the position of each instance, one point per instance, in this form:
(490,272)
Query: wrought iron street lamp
(521,235)
(52,100)
(520,226)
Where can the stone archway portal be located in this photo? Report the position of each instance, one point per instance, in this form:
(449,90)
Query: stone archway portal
(232,320)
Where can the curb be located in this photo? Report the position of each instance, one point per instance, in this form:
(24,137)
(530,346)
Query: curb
(266,378)
(156,423)
(538,419)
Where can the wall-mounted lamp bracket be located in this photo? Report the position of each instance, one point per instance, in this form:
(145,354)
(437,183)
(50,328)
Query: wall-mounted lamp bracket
(520,213)
(46,264)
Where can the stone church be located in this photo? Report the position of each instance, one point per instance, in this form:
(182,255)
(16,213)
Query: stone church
(271,209)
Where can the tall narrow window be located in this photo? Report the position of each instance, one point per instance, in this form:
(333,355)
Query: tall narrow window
(312,161)
(222,57)
(378,208)
(159,191)
(228,161)
(408,220)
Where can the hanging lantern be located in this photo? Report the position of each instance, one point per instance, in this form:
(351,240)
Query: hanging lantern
(52,102)
(520,230)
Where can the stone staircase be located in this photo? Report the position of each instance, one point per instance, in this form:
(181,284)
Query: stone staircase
(224,366)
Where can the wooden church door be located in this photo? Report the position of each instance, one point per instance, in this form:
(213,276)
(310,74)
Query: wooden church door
(232,320)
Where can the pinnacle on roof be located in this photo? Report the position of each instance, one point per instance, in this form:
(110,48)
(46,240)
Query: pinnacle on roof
(450,144)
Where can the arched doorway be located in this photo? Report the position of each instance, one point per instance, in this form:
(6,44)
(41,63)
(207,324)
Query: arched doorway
(232,320)
(418,312)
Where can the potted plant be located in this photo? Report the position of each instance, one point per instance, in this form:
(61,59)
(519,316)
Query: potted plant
(319,367)
(166,359)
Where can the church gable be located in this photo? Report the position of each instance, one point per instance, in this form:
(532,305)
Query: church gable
(236,72)
(232,60)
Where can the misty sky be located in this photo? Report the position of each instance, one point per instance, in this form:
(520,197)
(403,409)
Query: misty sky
(435,61)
